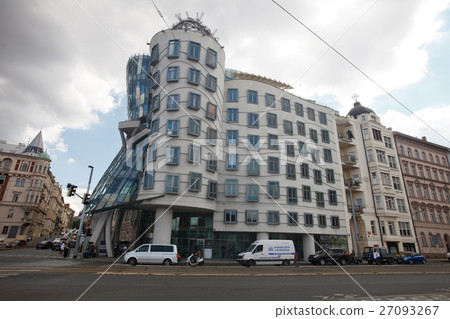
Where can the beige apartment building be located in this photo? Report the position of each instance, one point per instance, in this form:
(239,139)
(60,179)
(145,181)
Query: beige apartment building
(426,174)
(374,188)
(30,200)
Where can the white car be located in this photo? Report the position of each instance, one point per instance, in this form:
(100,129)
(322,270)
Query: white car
(153,254)
(447,255)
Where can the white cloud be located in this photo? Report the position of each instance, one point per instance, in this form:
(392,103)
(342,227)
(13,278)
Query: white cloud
(71,160)
(437,117)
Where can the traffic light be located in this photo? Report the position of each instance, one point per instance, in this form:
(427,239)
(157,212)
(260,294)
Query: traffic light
(71,190)
(86,199)
(89,232)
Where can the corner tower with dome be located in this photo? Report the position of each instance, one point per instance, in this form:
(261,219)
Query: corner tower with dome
(374,187)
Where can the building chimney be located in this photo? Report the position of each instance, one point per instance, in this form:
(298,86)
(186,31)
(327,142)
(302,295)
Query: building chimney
(424,138)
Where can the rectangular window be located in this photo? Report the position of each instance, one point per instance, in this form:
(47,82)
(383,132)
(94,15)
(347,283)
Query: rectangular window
(327,155)
(252,97)
(232,95)
(251,216)
(231,187)
(172,184)
(212,190)
(273,141)
(401,205)
(325,136)
(272,120)
(304,170)
(253,167)
(273,165)
(270,100)
(320,199)
(194,126)
(385,179)
(194,51)
(172,74)
(335,222)
(290,171)
(311,114)
(330,175)
(391,227)
(299,109)
(313,135)
(381,156)
(273,217)
(388,142)
(291,195)
(285,105)
(174,49)
(232,137)
(211,111)
(273,189)
(290,149)
(323,118)
(230,216)
(309,220)
(253,142)
(253,120)
(303,149)
(370,155)
(211,58)
(5,230)
(14,199)
(154,55)
(172,102)
(322,220)
(154,126)
(392,162)
(172,127)
(332,197)
(396,182)
(172,155)
(306,190)
(211,83)
(252,193)
(152,151)
(377,135)
(194,76)
(317,176)
(211,136)
(287,126)
(232,115)
(292,218)
(390,202)
(155,103)
(301,129)
(404,229)
(315,155)
(231,161)
(195,154)
(194,101)
(195,182)
(366,133)
(155,80)
(211,164)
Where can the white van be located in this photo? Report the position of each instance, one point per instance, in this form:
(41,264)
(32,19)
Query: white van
(153,254)
(268,252)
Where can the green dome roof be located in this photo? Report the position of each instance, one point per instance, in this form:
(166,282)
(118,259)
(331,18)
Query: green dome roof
(44,155)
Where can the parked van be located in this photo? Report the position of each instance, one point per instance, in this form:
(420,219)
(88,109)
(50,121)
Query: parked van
(268,252)
(153,254)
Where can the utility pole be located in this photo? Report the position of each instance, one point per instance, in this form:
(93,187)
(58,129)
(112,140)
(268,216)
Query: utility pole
(86,206)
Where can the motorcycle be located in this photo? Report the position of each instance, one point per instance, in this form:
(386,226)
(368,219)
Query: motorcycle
(190,261)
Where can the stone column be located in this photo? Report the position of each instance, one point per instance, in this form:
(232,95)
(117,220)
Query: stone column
(262,236)
(163,226)
(308,246)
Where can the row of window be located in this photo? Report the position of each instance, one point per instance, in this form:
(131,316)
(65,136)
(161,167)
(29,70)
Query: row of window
(20,182)
(30,198)
(231,189)
(23,166)
(390,203)
(435,240)
(404,228)
(381,157)
(193,77)
(193,53)
(270,101)
(252,217)
(423,191)
(434,214)
(431,158)
(438,175)
(386,180)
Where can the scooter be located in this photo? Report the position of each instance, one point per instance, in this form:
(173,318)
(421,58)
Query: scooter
(190,261)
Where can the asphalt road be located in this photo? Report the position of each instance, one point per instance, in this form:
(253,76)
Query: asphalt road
(30,274)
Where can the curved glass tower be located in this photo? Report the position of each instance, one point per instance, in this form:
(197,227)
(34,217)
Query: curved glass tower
(138,86)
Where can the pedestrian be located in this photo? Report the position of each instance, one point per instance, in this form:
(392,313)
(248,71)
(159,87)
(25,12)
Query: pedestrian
(66,250)
(93,253)
(116,249)
(63,246)
(125,248)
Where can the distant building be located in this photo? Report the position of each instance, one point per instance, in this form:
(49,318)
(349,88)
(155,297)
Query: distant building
(28,192)
(373,183)
(426,174)
(217,158)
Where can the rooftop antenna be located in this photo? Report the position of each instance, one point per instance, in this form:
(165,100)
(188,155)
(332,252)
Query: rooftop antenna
(355,96)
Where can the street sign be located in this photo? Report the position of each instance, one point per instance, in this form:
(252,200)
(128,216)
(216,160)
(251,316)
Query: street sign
(89,222)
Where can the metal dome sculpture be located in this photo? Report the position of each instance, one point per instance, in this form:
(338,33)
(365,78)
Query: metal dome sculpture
(193,24)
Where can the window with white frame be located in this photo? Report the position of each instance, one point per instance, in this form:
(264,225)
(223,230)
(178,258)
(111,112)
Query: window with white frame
(195,153)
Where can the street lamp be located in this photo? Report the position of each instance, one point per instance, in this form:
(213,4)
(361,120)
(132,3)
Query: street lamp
(86,206)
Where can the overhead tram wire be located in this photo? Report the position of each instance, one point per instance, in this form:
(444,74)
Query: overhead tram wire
(359,70)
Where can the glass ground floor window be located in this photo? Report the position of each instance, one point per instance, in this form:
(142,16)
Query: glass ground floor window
(330,241)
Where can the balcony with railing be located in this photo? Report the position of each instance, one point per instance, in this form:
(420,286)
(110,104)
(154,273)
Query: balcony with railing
(349,159)
(359,209)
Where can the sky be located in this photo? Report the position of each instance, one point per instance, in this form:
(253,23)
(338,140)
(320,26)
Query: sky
(62,64)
